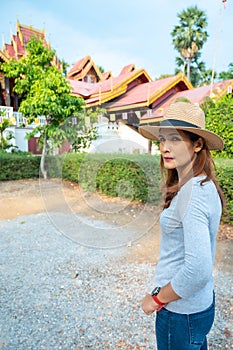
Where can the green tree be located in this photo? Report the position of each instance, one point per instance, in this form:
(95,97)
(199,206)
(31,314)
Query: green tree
(228,74)
(64,67)
(80,129)
(189,36)
(200,75)
(162,76)
(5,136)
(45,91)
(219,120)
(101,69)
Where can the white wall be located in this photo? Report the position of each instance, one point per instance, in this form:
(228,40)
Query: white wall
(20,140)
(112,139)
(119,140)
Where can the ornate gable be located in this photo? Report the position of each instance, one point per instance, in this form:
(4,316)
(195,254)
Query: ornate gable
(9,51)
(85,70)
(17,46)
(25,33)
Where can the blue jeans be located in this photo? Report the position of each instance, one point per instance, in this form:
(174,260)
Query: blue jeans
(183,332)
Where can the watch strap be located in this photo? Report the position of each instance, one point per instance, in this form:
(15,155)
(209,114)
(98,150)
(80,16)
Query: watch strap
(156,299)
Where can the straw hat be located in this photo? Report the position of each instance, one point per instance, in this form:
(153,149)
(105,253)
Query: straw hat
(184,116)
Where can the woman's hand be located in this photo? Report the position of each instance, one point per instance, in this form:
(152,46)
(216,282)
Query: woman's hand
(149,305)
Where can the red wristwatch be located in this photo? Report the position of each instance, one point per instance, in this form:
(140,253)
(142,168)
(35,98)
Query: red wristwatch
(154,294)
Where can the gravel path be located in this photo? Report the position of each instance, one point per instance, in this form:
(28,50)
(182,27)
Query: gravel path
(57,294)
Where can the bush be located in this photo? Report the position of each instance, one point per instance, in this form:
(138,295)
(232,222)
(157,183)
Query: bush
(127,176)
(135,177)
(17,166)
(224,169)
(219,120)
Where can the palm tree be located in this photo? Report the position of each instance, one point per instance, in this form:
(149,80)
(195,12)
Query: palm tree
(190,35)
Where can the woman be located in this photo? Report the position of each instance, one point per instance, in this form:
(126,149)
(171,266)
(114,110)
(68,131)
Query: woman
(184,292)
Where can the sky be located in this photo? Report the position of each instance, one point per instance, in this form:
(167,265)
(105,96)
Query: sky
(116,33)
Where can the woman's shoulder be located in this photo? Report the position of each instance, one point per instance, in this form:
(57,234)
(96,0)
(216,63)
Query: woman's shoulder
(199,197)
(197,183)
(195,188)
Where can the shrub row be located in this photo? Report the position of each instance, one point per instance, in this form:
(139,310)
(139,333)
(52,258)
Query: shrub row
(135,177)
(18,166)
(224,169)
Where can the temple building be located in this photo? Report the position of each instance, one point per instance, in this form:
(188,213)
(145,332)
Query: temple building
(17,49)
(129,99)
(133,97)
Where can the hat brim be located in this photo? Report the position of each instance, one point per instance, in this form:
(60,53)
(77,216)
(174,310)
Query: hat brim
(213,141)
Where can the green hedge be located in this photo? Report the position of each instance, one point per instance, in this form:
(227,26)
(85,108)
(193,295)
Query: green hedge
(135,177)
(224,169)
(18,166)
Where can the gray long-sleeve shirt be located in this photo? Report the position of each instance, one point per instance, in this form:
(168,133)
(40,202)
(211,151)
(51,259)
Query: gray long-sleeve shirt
(188,243)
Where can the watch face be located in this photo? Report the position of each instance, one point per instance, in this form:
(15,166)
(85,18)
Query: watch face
(155,291)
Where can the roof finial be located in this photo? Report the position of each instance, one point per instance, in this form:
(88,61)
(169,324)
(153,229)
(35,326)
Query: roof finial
(11,32)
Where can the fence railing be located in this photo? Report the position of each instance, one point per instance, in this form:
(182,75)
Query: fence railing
(17,119)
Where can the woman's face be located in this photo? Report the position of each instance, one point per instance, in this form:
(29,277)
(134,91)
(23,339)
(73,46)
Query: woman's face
(177,150)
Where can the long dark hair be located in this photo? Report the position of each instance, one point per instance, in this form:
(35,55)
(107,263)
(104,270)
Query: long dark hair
(203,163)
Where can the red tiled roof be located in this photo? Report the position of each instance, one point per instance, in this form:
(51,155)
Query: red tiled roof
(138,94)
(195,95)
(78,65)
(141,92)
(9,50)
(221,86)
(28,32)
(198,95)
(17,48)
(89,89)
(20,48)
(108,85)
(82,88)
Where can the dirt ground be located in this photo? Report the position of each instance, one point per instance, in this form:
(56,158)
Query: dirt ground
(25,197)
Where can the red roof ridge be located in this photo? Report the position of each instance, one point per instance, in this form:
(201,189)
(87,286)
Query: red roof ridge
(128,69)
(78,65)
(81,67)
(107,75)
(30,28)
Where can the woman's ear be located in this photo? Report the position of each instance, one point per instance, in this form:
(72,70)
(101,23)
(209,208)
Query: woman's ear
(198,145)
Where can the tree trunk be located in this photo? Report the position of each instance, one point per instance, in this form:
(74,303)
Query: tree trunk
(7,89)
(149,146)
(42,162)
